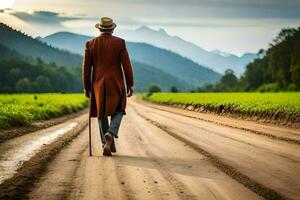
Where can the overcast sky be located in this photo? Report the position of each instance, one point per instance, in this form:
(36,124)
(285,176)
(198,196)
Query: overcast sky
(234,26)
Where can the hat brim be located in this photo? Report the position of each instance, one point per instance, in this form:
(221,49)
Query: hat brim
(99,26)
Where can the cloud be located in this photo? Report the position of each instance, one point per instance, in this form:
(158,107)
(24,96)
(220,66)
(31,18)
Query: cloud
(210,3)
(208,8)
(54,18)
(42,17)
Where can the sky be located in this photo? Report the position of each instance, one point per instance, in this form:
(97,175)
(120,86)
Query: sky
(233,26)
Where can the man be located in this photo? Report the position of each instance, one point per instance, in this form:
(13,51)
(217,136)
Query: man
(110,81)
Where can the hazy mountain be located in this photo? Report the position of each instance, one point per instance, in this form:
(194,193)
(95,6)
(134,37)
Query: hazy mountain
(31,47)
(62,79)
(67,41)
(164,60)
(218,61)
(6,53)
(172,64)
(146,75)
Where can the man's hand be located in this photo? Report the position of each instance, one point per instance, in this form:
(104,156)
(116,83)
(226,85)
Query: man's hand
(131,90)
(87,93)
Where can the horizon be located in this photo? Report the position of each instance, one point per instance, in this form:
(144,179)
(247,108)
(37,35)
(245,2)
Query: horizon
(225,54)
(228,26)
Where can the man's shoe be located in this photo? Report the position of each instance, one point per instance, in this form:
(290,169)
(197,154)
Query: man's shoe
(113,146)
(108,141)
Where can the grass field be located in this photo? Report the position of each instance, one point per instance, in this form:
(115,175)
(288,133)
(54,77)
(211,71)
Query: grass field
(245,102)
(23,109)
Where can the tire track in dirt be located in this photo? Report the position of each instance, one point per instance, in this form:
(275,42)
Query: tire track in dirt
(180,188)
(17,132)
(184,188)
(237,140)
(21,183)
(126,189)
(247,130)
(99,176)
(128,177)
(149,165)
(83,151)
(143,175)
(254,186)
(58,182)
(75,194)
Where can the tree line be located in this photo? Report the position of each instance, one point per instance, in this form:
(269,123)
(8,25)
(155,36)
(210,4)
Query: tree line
(275,69)
(29,76)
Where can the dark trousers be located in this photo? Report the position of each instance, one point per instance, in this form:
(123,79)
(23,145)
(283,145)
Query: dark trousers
(113,127)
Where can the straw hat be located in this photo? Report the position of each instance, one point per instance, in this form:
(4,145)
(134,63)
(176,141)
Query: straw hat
(106,23)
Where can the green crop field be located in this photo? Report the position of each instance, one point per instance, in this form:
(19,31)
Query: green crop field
(23,109)
(246,102)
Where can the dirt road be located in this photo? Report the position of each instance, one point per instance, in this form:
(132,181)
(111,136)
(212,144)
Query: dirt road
(167,153)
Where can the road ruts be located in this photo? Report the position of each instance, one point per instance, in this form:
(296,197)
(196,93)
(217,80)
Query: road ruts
(266,165)
(149,164)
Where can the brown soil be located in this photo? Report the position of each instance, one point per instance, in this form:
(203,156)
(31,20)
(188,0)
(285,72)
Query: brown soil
(16,132)
(277,132)
(166,154)
(19,185)
(230,171)
(149,164)
(269,167)
(288,119)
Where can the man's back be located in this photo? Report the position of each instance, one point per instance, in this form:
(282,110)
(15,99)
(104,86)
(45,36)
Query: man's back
(106,50)
(106,54)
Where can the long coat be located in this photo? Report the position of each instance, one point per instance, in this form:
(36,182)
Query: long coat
(106,53)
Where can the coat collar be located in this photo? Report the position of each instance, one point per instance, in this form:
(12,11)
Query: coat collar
(105,33)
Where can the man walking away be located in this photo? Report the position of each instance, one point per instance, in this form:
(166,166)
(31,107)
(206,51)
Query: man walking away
(110,83)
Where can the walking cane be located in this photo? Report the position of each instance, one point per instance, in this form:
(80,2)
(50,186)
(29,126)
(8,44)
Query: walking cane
(90,139)
(90,107)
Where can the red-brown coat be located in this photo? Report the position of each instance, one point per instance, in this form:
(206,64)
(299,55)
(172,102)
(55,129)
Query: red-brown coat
(106,53)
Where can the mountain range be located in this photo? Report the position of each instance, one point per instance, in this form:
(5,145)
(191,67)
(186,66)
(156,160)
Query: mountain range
(216,60)
(169,62)
(31,47)
(172,70)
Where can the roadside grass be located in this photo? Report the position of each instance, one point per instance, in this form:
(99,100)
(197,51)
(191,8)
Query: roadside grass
(22,109)
(287,102)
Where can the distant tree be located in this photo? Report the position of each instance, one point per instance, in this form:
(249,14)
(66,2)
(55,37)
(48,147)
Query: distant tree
(52,64)
(39,61)
(13,75)
(295,72)
(24,85)
(42,84)
(284,35)
(206,88)
(229,80)
(277,68)
(256,74)
(173,89)
(261,53)
(153,88)
(39,77)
